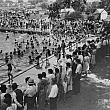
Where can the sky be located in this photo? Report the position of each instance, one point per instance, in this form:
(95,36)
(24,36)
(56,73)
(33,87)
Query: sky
(93,0)
(16,0)
(55,0)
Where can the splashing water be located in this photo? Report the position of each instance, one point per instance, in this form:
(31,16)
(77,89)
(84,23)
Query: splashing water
(94,78)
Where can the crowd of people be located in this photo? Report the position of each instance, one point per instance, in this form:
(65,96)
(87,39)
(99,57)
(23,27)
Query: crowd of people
(54,85)
(22,19)
(64,77)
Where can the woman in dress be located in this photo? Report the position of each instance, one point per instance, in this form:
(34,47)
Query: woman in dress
(86,63)
(93,60)
(69,77)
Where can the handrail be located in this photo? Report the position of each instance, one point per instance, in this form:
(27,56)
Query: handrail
(22,30)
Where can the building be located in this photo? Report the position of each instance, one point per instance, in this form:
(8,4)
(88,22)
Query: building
(100,14)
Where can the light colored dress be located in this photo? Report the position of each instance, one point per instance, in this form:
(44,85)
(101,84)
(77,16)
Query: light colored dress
(93,61)
(63,71)
(86,63)
(62,63)
(65,86)
(69,79)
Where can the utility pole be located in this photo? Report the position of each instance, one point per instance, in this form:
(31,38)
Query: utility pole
(108,46)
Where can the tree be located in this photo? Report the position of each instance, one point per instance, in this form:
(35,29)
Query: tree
(67,2)
(44,5)
(104,3)
(20,1)
(76,5)
(1,1)
(33,2)
(73,16)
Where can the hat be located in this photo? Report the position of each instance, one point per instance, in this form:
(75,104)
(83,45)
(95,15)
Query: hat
(31,81)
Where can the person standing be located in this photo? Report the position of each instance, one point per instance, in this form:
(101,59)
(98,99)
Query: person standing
(63,45)
(3,89)
(30,95)
(53,95)
(86,63)
(46,83)
(8,102)
(58,52)
(9,65)
(7,36)
(62,64)
(78,76)
(50,75)
(19,95)
(74,66)
(69,77)
(93,55)
(42,92)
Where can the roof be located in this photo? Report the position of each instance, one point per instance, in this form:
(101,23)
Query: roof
(51,1)
(99,11)
(93,1)
(108,18)
(68,10)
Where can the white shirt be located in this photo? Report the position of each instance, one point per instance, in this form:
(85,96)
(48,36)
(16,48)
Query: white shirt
(50,77)
(54,91)
(98,45)
(79,69)
(81,58)
(105,42)
(69,61)
(31,91)
(2,97)
(65,86)
(13,95)
(12,107)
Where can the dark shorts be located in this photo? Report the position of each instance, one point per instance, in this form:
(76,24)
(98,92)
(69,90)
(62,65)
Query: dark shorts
(10,69)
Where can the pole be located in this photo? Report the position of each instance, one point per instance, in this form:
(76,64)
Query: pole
(108,47)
